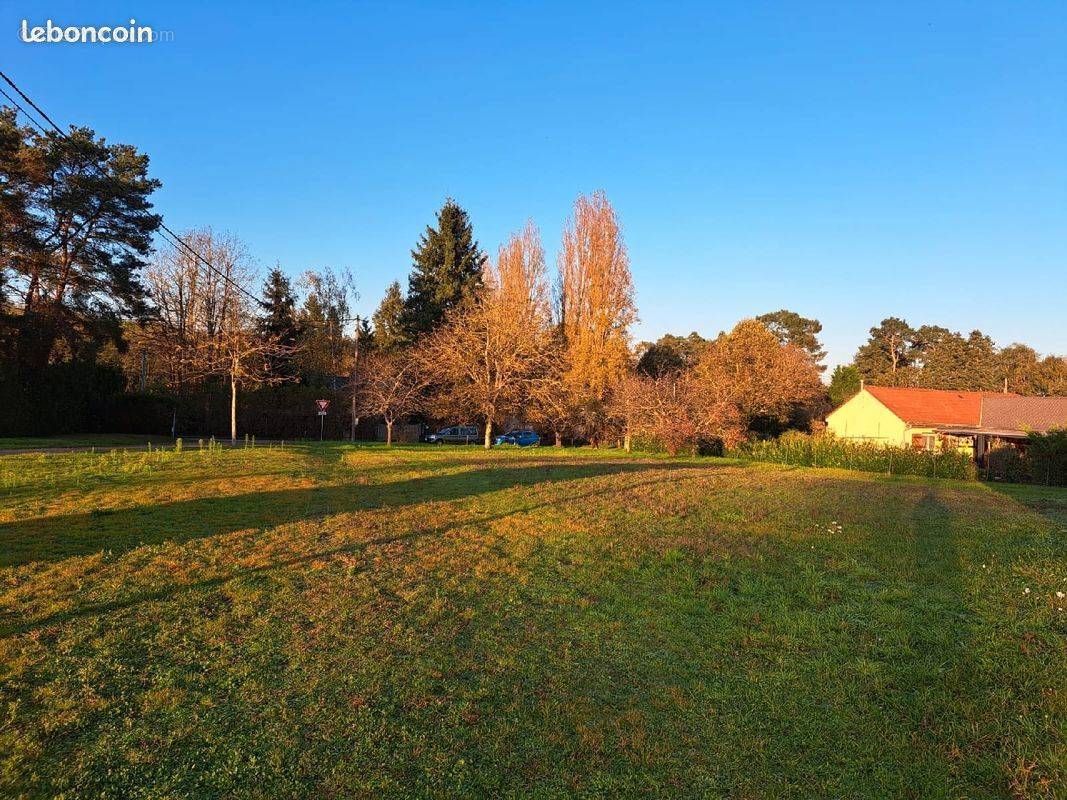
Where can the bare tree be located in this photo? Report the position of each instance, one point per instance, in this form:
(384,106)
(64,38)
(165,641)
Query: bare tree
(244,355)
(192,302)
(390,386)
(485,357)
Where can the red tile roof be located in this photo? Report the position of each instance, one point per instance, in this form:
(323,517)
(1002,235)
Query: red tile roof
(982,410)
(930,406)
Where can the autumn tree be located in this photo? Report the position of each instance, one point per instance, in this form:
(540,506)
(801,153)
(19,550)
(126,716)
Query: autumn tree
(179,346)
(749,370)
(391,386)
(245,356)
(549,404)
(594,308)
(233,342)
(446,270)
(485,357)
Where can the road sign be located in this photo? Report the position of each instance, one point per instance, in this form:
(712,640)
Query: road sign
(323,405)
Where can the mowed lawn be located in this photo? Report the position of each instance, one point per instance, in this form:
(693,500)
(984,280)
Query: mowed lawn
(358,622)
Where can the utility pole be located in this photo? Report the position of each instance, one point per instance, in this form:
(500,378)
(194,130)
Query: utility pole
(355,366)
(144,371)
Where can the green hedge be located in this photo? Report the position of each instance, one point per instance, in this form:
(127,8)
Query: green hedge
(821,450)
(1044,462)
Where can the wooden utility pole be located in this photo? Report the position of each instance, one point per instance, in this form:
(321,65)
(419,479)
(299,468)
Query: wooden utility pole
(355,367)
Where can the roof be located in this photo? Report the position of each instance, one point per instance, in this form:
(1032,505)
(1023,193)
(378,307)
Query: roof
(1008,412)
(973,411)
(930,406)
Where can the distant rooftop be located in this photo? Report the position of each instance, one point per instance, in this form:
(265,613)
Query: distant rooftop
(1024,413)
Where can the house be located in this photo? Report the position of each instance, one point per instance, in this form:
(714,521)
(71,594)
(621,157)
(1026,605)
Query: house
(935,419)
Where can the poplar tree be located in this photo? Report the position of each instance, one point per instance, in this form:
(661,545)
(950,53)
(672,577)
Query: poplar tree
(594,310)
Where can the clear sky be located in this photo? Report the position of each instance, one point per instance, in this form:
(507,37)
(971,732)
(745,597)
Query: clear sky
(849,161)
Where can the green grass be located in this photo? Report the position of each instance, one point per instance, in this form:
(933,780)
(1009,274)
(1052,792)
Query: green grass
(336,622)
(103,440)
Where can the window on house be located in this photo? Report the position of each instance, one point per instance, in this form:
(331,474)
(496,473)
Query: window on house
(924,441)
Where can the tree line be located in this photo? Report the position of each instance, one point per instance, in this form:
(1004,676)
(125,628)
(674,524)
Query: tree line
(91,309)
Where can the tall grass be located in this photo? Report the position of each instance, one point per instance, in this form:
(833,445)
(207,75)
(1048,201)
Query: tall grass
(821,450)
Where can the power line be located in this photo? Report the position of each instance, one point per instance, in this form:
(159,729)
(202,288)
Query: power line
(26,114)
(169,234)
(175,237)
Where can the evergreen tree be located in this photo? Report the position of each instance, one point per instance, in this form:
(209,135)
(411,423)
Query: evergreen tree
(950,361)
(447,266)
(887,357)
(279,309)
(367,340)
(389,331)
(324,349)
(669,354)
(791,328)
(278,322)
(844,383)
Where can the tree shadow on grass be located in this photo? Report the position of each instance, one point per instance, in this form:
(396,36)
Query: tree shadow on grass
(1048,501)
(54,538)
(297,558)
(935,668)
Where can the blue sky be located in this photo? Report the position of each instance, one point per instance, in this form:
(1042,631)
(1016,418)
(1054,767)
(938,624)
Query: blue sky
(849,161)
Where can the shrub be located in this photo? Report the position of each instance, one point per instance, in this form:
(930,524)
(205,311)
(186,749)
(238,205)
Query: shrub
(1044,460)
(821,450)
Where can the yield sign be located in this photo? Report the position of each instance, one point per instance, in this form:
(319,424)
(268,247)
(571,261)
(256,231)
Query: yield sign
(323,405)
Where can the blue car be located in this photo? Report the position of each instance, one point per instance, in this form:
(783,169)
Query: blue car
(523,438)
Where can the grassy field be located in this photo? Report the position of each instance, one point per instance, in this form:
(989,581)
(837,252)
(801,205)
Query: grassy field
(337,621)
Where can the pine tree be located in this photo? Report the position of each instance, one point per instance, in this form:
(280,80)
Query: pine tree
(389,332)
(447,267)
(887,357)
(278,322)
(791,328)
(279,309)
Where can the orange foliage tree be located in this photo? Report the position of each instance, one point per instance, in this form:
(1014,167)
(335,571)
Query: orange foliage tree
(491,349)
(751,371)
(594,310)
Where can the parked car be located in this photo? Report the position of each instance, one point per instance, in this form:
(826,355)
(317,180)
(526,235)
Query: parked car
(457,434)
(521,438)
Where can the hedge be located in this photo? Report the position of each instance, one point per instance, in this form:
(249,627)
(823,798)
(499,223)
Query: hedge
(821,450)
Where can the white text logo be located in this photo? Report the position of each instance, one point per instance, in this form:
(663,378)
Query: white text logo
(51,33)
